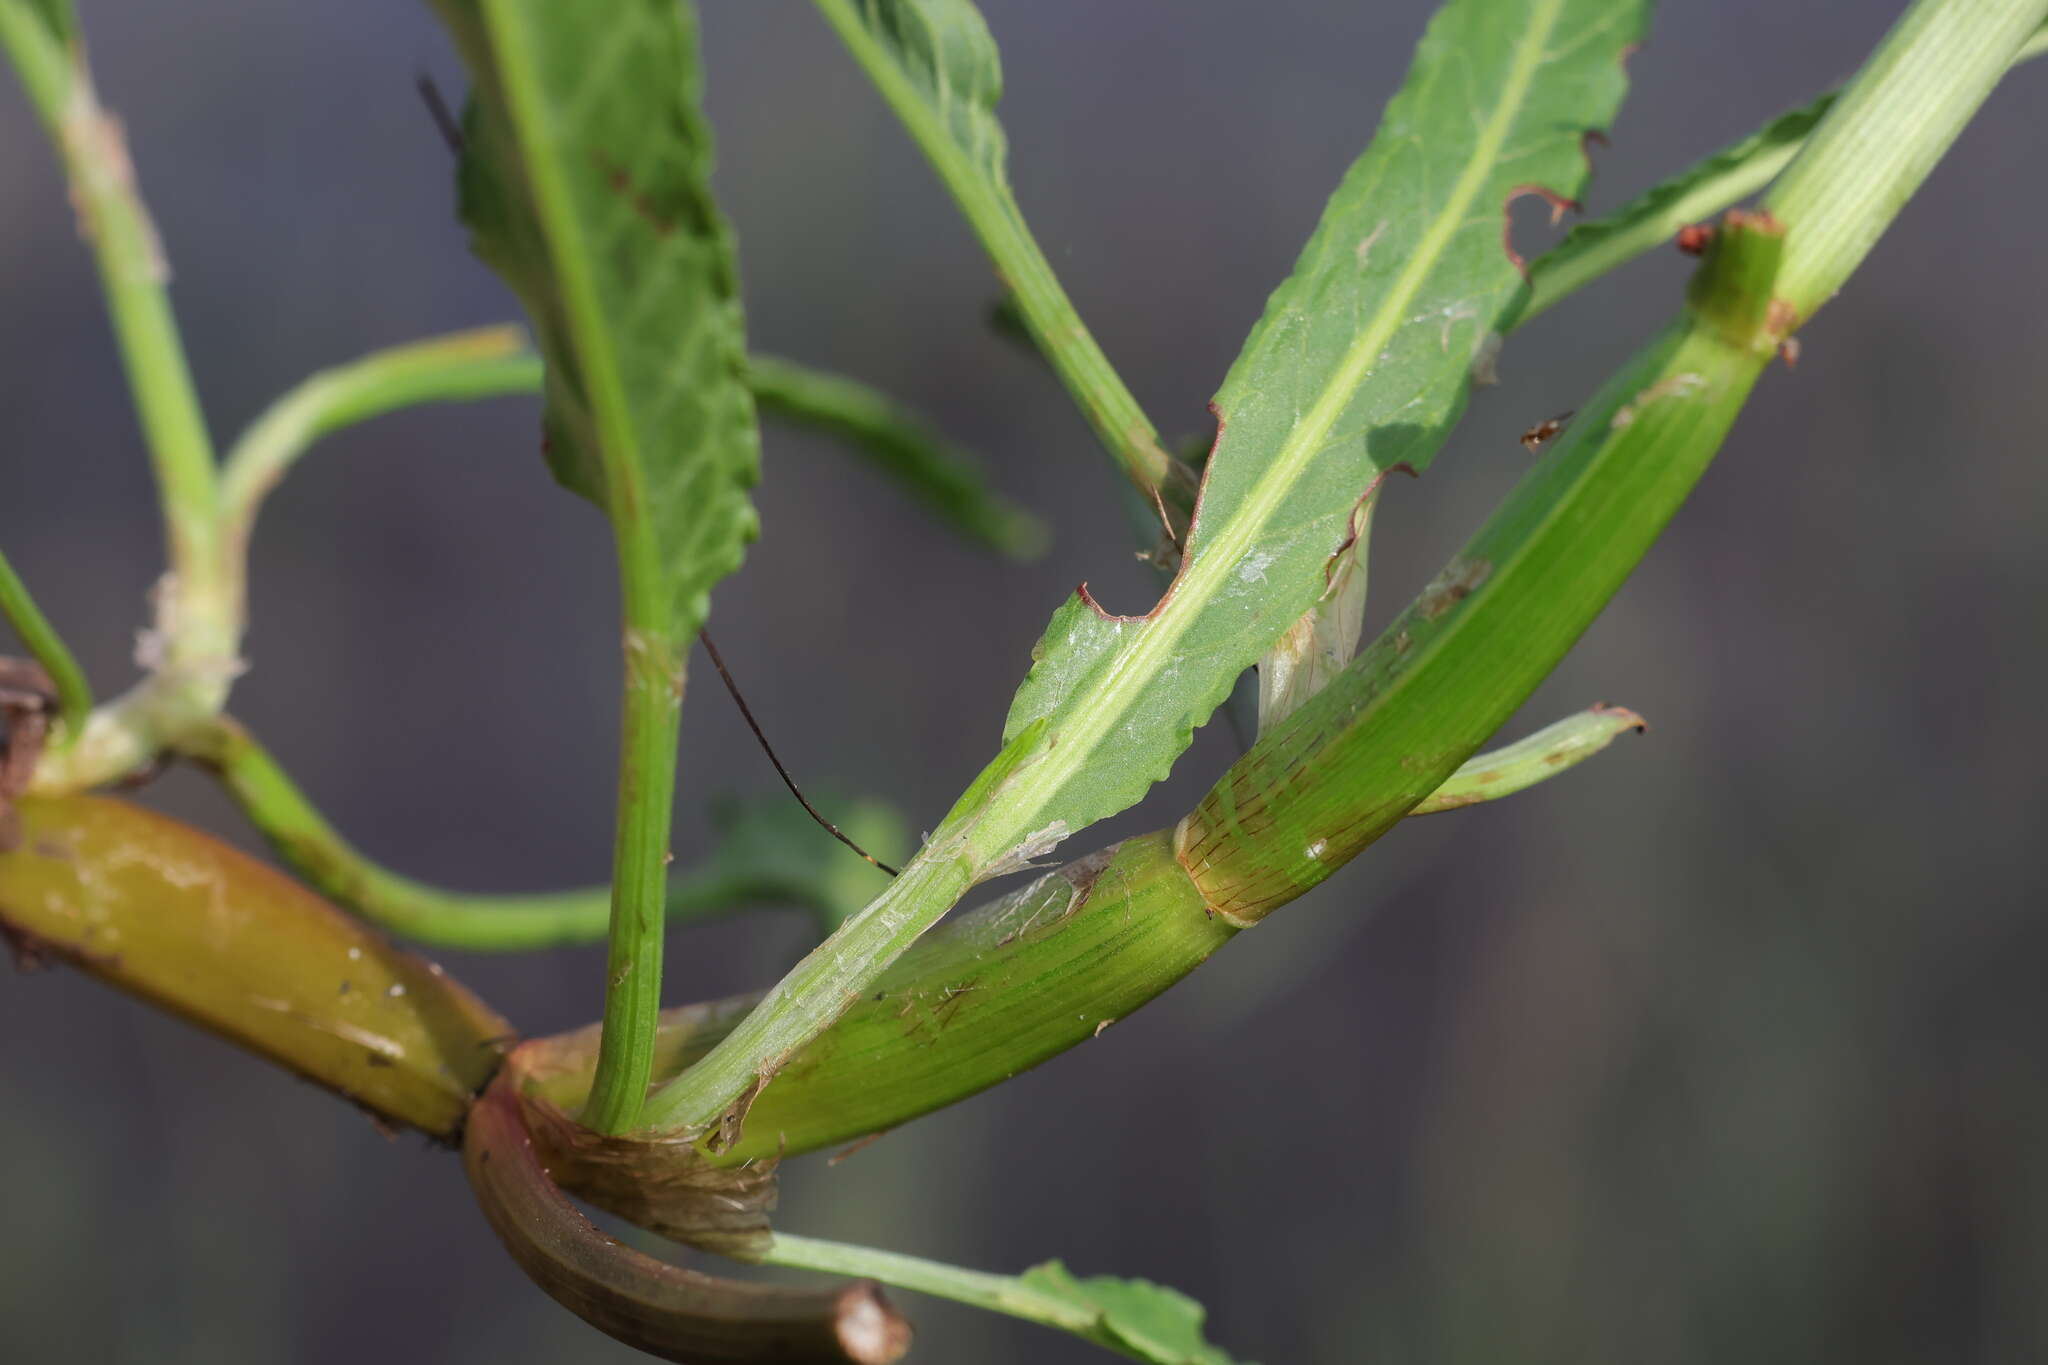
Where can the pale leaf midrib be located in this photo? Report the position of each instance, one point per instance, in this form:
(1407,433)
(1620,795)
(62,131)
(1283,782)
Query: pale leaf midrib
(1035,785)
(618,448)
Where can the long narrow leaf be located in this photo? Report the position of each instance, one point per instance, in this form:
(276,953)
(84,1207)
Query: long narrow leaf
(936,64)
(1360,364)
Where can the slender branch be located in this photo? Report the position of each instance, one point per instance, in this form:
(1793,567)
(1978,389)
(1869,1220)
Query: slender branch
(40,638)
(134,276)
(647,779)
(487,362)
(313,848)
(998,1293)
(1126,432)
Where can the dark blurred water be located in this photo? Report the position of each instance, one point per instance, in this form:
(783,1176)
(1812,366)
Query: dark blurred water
(1727,1047)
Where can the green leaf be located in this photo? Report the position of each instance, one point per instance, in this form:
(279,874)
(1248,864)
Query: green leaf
(585,184)
(59,17)
(1592,249)
(1536,758)
(1397,724)
(900,443)
(1144,1320)
(936,64)
(1359,364)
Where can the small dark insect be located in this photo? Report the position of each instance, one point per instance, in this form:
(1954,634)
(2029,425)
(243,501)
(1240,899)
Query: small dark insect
(1694,237)
(1544,432)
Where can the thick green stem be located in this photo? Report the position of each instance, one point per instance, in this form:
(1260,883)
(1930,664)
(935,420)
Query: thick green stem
(1126,432)
(1694,195)
(40,638)
(175,917)
(1390,729)
(994,991)
(1892,124)
(810,997)
(647,779)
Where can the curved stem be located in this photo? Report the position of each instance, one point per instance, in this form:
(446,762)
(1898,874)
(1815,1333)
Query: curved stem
(665,1310)
(486,362)
(314,849)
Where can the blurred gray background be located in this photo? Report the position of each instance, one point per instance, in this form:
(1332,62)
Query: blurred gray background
(1728,1046)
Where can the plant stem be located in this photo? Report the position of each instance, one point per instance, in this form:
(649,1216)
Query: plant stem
(198,613)
(484,363)
(314,849)
(998,1293)
(813,993)
(134,276)
(1698,193)
(902,445)
(40,638)
(647,779)
(992,992)
(1894,121)
(1126,432)
(173,916)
